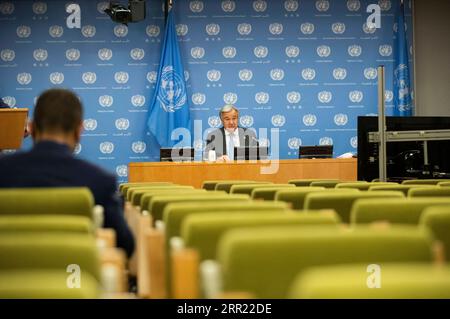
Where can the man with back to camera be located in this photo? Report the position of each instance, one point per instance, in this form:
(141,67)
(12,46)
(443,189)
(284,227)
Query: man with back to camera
(56,130)
(224,139)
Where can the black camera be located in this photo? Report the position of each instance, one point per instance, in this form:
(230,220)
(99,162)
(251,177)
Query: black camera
(135,11)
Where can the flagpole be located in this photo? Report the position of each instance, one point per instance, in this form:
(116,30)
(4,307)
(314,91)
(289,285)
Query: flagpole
(381,126)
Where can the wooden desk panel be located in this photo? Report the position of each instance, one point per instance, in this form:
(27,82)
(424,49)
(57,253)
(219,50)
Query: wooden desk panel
(194,173)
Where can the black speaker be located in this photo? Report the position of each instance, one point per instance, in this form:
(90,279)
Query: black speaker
(137,8)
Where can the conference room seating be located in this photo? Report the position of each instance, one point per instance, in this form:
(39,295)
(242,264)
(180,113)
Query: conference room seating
(211,184)
(226,186)
(123,188)
(437,220)
(264,261)
(396,281)
(444,184)
(326,184)
(308,181)
(430,192)
(361,185)
(46,223)
(249,188)
(267,193)
(424,181)
(397,187)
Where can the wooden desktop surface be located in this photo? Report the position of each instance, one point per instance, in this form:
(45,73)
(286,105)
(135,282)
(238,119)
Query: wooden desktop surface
(194,173)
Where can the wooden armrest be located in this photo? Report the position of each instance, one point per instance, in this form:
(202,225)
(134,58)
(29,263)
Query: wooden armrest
(107,236)
(185,277)
(113,259)
(155,271)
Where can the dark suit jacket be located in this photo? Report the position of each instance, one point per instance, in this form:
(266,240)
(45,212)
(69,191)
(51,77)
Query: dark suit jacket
(50,164)
(216,140)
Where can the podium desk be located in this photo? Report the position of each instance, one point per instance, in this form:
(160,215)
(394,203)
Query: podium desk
(194,173)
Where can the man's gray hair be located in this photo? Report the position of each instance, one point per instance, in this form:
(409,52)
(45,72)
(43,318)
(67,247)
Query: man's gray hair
(228,108)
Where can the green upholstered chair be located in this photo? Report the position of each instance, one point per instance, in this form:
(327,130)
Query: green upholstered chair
(423,181)
(342,203)
(268,193)
(307,182)
(362,186)
(296,197)
(135,194)
(248,188)
(392,210)
(46,223)
(158,203)
(123,188)
(45,284)
(147,197)
(47,201)
(437,219)
(226,186)
(210,185)
(430,192)
(326,184)
(265,261)
(399,187)
(397,281)
(444,184)
(137,189)
(44,250)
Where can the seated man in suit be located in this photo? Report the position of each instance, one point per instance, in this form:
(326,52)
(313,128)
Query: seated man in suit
(56,130)
(224,139)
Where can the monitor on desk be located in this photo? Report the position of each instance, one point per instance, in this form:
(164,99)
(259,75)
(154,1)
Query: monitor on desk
(182,154)
(316,151)
(251,153)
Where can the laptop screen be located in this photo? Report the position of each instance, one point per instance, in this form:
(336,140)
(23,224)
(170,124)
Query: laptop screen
(169,154)
(316,151)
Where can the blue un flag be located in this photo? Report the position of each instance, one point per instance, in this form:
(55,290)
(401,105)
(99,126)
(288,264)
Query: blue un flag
(402,85)
(169,109)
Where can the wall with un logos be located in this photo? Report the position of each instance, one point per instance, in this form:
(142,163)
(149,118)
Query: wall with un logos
(306,68)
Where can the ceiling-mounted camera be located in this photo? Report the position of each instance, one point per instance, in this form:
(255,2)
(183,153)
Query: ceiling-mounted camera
(135,11)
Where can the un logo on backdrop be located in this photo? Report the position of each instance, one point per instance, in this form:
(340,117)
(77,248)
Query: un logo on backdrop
(259,5)
(182,29)
(278,120)
(138,147)
(214,121)
(198,98)
(89,124)
(322,5)
(105,100)
(40,55)
(246,121)
(244,28)
(213,75)
(308,74)
(353,5)
(385,5)
(324,96)
(199,145)
(230,98)
(196,6)
(369,29)
(262,97)
(39,7)
(339,73)
(105,54)
(212,29)
(293,97)
(292,51)
(323,51)
(294,143)
(137,54)
(229,52)
(197,52)
(122,171)
(277,74)
(89,77)
(138,100)
(6,8)
(228,6)
(77,149)
(152,76)
(340,119)
(338,28)
(354,142)
(7,55)
(354,50)
(276,28)
(10,100)
(291,5)
(88,31)
(325,141)
(24,78)
(121,77)
(385,50)
(120,31)
(106,147)
(122,124)
(73,54)
(370,73)
(309,119)
(245,75)
(355,96)
(307,28)
(261,51)
(102,6)
(23,31)
(153,31)
(56,31)
(56,78)
(388,96)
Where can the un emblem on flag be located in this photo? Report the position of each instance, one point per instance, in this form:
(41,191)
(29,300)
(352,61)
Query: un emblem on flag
(172,93)
(307,28)
(340,119)
(259,5)
(245,75)
(214,121)
(90,124)
(88,31)
(106,147)
(292,51)
(291,5)
(262,97)
(77,149)
(244,28)
(138,147)
(309,119)
(353,5)
(354,142)
(325,96)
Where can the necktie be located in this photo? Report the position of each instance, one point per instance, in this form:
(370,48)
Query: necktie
(230,150)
